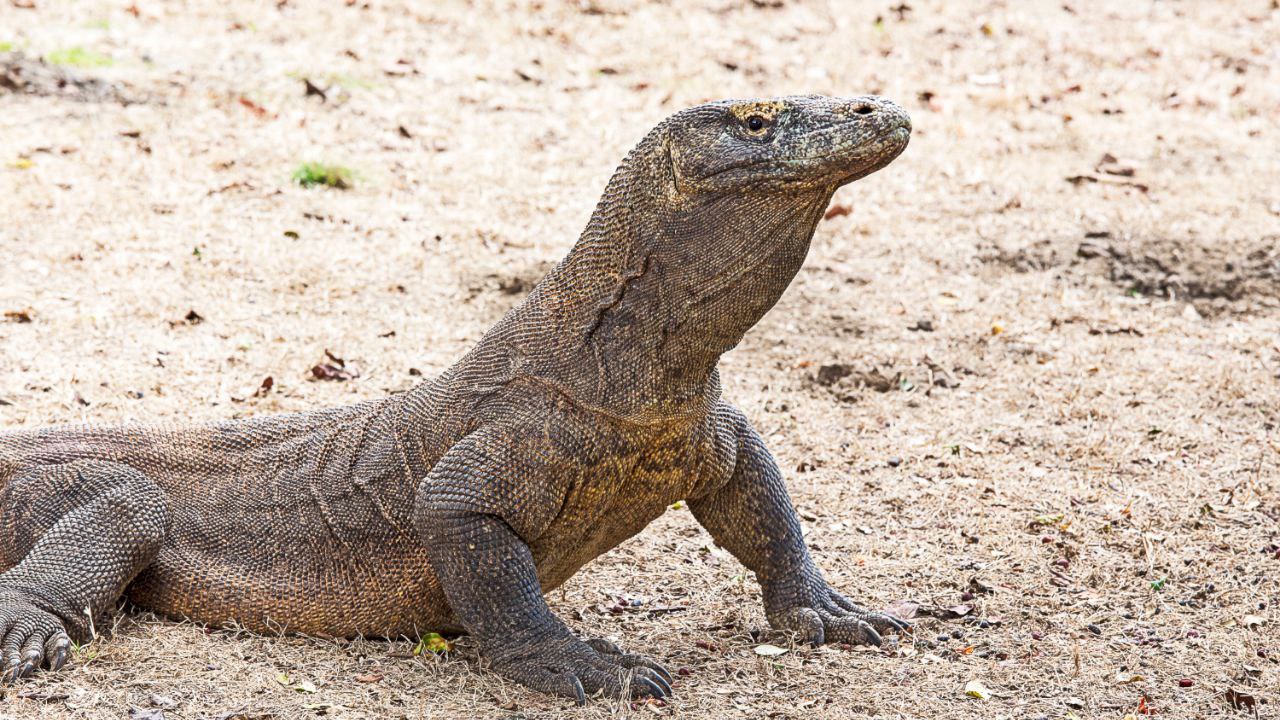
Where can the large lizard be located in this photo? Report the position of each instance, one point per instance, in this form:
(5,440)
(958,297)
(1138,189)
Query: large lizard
(580,417)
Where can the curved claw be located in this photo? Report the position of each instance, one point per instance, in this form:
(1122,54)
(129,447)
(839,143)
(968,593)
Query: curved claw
(648,687)
(631,661)
(898,623)
(579,695)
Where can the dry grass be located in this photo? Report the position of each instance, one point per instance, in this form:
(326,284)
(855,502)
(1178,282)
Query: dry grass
(1089,427)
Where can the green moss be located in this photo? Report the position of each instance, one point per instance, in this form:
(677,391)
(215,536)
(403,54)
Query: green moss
(79,57)
(334,176)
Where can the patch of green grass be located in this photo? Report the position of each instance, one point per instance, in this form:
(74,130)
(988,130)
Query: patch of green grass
(334,176)
(79,57)
(6,46)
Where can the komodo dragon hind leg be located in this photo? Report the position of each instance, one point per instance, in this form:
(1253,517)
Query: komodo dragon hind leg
(72,536)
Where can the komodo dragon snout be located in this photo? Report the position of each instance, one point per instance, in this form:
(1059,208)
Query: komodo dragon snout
(588,410)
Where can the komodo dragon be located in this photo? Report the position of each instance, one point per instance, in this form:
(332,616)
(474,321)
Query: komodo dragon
(580,417)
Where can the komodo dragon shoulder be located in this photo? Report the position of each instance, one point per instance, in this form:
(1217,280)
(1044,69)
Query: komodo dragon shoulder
(575,421)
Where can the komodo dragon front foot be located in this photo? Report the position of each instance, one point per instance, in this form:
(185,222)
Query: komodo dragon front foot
(819,614)
(570,667)
(30,637)
(72,536)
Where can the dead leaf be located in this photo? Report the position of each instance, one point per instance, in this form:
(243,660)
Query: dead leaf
(328,371)
(310,88)
(770,650)
(335,369)
(253,107)
(903,609)
(18,316)
(191,318)
(432,642)
(836,211)
(976,689)
(1239,700)
(944,613)
(265,387)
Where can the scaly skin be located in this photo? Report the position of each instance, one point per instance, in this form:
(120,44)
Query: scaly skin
(578,419)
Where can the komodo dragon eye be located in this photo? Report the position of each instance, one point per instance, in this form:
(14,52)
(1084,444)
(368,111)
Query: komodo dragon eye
(757,125)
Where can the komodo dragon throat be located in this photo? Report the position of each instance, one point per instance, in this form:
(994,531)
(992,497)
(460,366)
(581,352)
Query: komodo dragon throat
(577,419)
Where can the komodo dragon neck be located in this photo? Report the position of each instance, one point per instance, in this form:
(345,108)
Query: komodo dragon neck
(660,284)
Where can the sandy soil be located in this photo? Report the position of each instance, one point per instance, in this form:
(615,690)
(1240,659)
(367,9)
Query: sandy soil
(1038,361)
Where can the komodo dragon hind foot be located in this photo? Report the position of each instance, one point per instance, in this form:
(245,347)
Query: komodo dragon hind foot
(72,536)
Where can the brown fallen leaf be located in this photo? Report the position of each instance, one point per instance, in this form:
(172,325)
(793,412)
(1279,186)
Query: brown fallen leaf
(18,316)
(326,371)
(253,107)
(902,609)
(335,369)
(1239,700)
(310,88)
(265,387)
(369,678)
(944,613)
(836,211)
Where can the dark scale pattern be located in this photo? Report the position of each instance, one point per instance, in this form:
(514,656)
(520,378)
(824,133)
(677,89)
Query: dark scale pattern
(578,419)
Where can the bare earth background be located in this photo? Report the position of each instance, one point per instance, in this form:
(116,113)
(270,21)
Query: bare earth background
(1036,361)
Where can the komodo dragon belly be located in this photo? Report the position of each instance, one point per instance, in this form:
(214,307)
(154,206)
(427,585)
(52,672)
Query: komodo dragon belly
(383,591)
(603,514)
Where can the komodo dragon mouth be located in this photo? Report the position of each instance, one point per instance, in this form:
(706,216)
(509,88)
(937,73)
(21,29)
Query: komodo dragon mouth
(584,413)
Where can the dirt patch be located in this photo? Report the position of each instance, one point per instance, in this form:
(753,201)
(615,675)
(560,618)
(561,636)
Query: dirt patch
(24,75)
(1217,276)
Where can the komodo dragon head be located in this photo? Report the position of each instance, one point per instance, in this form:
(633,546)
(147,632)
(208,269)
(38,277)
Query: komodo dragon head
(697,235)
(789,149)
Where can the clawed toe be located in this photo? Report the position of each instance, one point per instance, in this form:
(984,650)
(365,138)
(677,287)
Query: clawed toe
(580,670)
(30,639)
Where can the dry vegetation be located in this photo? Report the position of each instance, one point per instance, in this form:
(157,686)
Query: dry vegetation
(1037,361)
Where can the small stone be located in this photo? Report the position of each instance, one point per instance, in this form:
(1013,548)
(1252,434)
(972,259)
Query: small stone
(1185,682)
(984,624)
(1037,636)
(944,638)
(957,634)
(1046,539)
(966,596)
(895,461)
(1094,629)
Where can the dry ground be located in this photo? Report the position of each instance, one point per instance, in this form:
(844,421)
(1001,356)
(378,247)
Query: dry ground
(1081,378)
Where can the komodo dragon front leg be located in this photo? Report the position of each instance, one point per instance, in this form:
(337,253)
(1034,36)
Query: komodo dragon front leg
(752,517)
(72,536)
(478,511)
